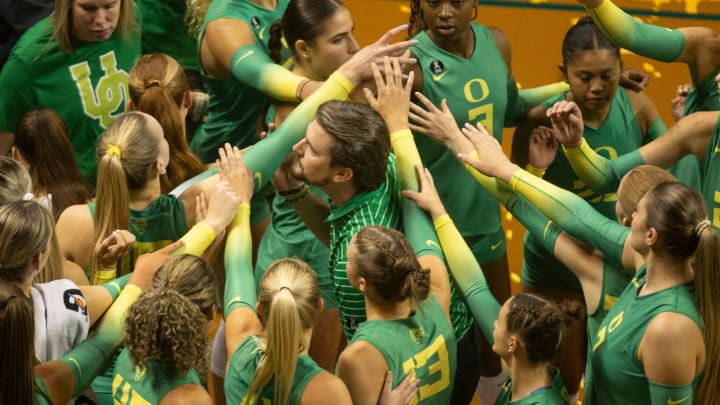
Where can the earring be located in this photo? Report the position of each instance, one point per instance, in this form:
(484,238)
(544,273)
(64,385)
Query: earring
(307,57)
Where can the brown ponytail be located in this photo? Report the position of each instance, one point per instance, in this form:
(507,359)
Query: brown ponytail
(17,330)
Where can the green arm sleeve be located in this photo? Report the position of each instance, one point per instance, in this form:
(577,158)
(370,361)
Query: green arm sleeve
(253,67)
(656,129)
(661,394)
(600,174)
(265,157)
(573,214)
(417,225)
(196,240)
(116,286)
(543,229)
(90,358)
(516,108)
(239,275)
(536,95)
(468,275)
(647,40)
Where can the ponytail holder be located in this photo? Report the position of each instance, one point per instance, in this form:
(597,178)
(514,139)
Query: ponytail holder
(702,226)
(113,150)
(154,83)
(28,197)
(286,288)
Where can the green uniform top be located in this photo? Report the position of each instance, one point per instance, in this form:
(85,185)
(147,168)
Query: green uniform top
(88,87)
(704,97)
(243,363)
(477,90)
(614,281)
(424,342)
(555,394)
(145,385)
(711,176)
(617,375)
(619,134)
(377,207)
(234,109)
(154,227)
(164,30)
(42,395)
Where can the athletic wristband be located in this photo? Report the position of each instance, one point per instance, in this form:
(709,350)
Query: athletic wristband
(343,81)
(287,193)
(535,171)
(196,240)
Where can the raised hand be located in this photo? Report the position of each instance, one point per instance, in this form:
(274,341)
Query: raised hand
(634,79)
(148,264)
(111,249)
(542,147)
(488,157)
(567,123)
(393,98)
(358,68)
(232,170)
(223,206)
(437,123)
(677,104)
(428,198)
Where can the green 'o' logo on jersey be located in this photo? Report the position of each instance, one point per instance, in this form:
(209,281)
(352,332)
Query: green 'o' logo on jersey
(101,101)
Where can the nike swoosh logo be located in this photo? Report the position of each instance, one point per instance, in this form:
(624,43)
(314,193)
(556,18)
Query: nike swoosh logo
(240,59)
(679,401)
(495,246)
(432,243)
(258,177)
(439,77)
(262,31)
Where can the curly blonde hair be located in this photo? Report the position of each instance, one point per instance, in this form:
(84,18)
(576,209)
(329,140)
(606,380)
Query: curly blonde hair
(168,323)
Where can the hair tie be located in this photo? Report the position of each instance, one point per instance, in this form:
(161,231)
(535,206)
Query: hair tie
(113,150)
(286,288)
(28,197)
(702,226)
(153,83)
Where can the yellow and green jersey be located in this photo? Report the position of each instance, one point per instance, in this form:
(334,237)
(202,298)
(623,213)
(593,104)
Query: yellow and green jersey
(424,343)
(145,385)
(244,362)
(87,87)
(617,375)
(235,108)
(619,134)
(478,90)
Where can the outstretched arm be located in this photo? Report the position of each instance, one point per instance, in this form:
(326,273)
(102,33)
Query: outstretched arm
(461,261)
(695,46)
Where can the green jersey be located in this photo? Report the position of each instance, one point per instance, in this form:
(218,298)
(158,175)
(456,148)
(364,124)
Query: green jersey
(619,134)
(377,207)
(244,362)
(88,87)
(235,108)
(158,225)
(423,343)
(145,385)
(477,90)
(164,30)
(554,394)
(711,176)
(617,375)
